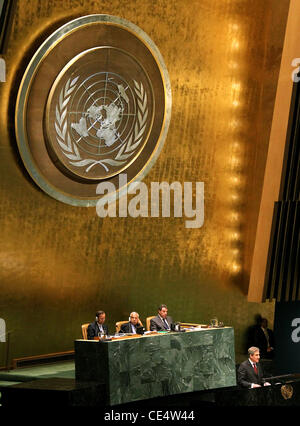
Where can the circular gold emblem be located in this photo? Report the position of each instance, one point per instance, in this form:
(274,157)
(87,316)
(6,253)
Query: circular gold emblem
(94,102)
(287,391)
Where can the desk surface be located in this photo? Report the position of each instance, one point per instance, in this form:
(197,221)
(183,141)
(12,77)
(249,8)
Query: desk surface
(159,364)
(126,336)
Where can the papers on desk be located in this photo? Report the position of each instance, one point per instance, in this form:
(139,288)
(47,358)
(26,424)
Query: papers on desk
(123,334)
(192,328)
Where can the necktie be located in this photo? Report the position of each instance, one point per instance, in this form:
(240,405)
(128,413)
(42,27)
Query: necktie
(166,325)
(255,368)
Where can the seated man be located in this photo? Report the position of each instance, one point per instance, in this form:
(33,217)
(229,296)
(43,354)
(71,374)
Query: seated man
(162,322)
(97,327)
(133,325)
(250,372)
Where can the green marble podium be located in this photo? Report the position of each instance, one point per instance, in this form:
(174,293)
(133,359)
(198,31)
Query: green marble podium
(158,365)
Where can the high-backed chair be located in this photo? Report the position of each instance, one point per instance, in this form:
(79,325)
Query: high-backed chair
(148,319)
(84,330)
(118,325)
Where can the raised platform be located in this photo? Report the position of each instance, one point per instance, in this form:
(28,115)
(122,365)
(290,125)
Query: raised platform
(54,385)
(60,392)
(52,392)
(159,365)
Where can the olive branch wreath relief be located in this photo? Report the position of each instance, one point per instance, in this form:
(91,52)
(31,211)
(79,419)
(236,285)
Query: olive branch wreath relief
(70,148)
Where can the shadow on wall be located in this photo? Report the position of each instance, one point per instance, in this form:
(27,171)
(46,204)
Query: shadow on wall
(261,336)
(249,336)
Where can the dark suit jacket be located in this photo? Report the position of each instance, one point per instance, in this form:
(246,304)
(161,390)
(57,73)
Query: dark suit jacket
(126,328)
(247,376)
(93,330)
(261,342)
(156,324)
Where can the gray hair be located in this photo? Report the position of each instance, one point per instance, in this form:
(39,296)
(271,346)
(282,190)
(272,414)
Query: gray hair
(252,350)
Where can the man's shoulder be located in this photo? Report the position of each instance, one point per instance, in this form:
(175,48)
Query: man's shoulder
(244,363)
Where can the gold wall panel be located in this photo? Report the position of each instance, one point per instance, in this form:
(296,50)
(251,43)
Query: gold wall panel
(59,263)
(275,159)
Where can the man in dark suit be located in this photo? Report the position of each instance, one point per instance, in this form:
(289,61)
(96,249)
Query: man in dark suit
(97,327)
(162,322)
(250,372)
(263,338)
(133,325)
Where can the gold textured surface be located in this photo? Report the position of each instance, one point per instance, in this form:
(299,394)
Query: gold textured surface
(276,153)
(59,264)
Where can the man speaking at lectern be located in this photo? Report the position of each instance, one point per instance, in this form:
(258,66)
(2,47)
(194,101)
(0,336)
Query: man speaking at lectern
(250,372)
(162,322)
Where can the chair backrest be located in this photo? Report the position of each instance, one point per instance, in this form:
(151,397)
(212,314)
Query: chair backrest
(120,323)
(84,330)
(148,319)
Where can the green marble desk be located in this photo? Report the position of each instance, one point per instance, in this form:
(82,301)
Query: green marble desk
(158,365)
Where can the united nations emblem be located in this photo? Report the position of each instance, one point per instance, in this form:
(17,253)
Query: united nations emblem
(98,121)
(287,391)
(95,101)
